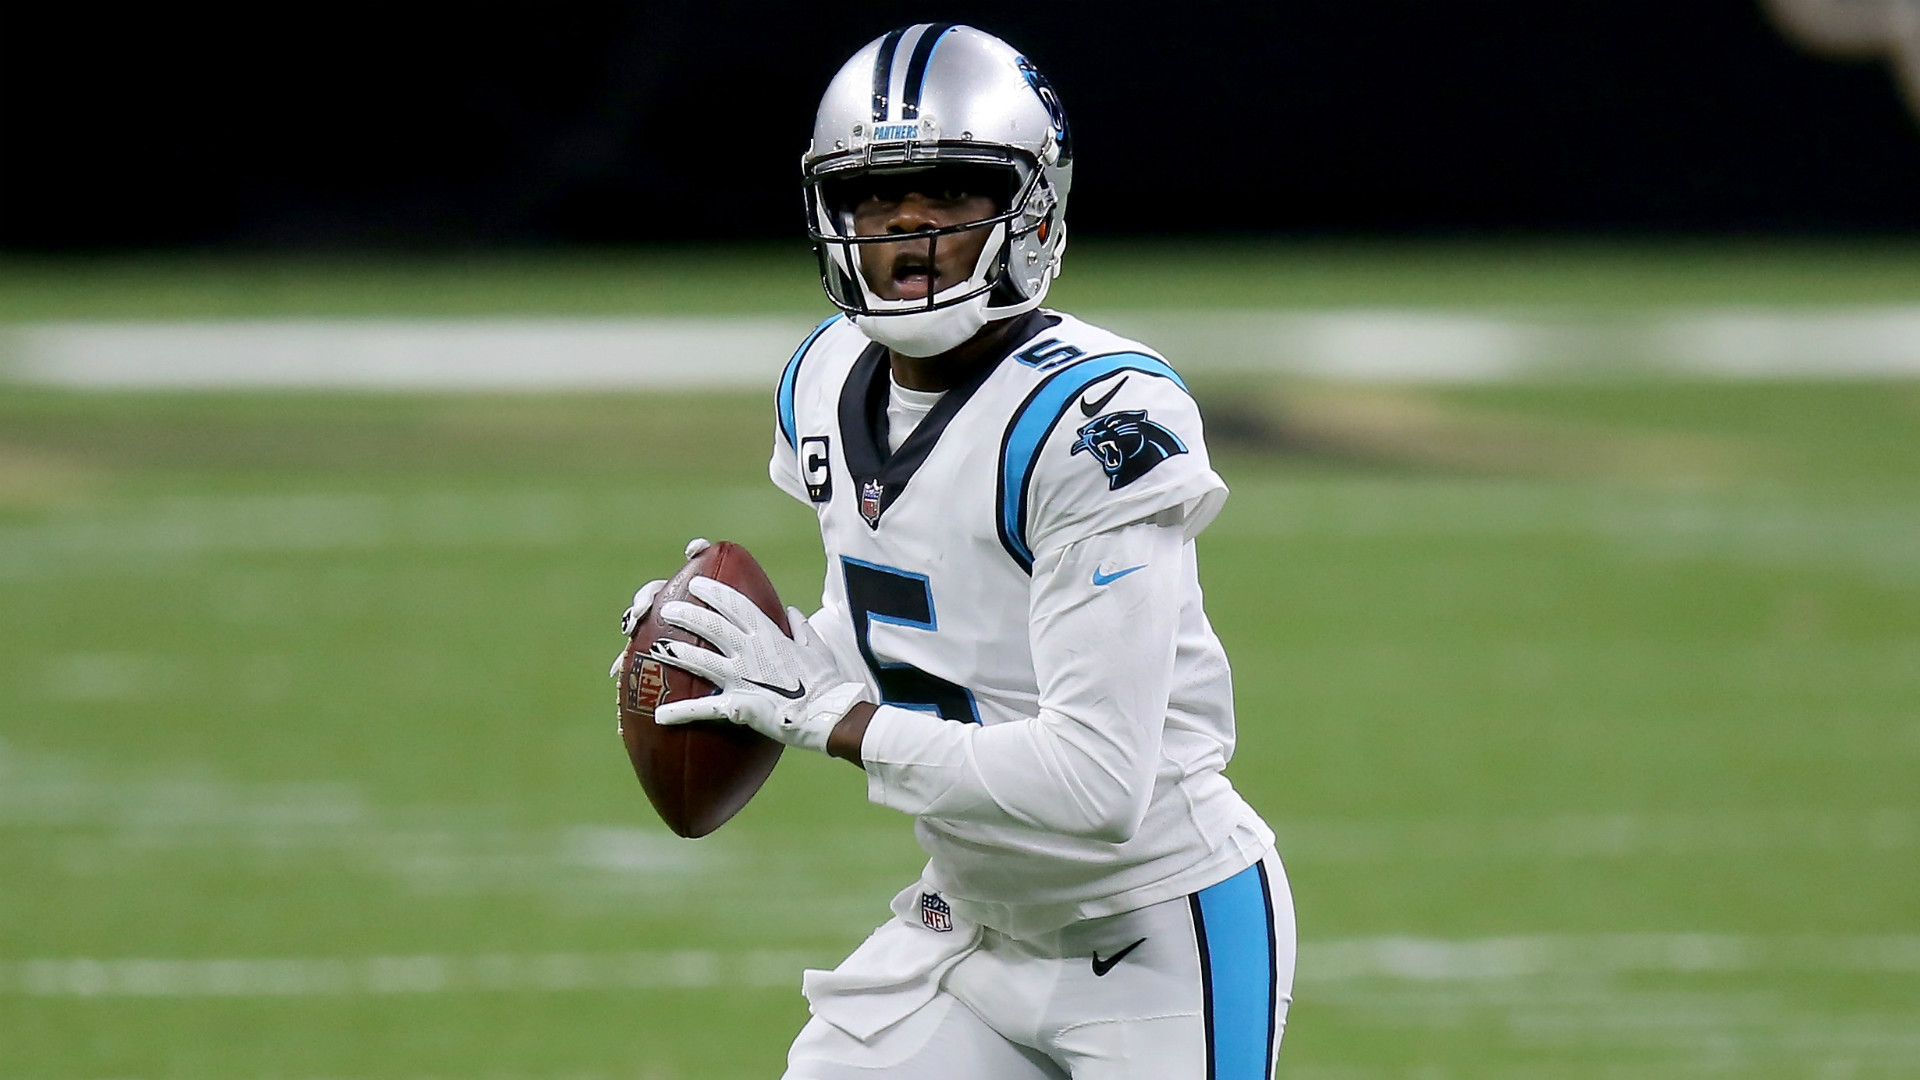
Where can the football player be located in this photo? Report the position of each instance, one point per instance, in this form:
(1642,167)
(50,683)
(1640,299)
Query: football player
(1011,640)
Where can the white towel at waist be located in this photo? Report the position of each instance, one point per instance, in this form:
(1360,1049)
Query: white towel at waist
(896,970)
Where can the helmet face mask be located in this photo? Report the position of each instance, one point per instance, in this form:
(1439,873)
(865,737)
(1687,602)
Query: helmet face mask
(942,111)
(846,254)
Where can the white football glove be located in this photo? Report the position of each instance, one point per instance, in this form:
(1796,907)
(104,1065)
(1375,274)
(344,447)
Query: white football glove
(643,603)
(788,689)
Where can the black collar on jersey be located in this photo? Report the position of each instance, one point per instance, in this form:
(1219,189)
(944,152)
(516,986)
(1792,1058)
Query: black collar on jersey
(878,476)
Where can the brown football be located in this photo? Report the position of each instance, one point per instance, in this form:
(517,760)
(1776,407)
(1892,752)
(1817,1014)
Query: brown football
(700,774)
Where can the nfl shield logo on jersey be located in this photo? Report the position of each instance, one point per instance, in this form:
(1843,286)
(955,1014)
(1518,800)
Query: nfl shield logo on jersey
(935,913)
(872,494)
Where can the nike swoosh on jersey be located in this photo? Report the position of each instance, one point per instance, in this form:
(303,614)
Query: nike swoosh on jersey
(1101,967)
(794,694)
(1094,408)
(1108,579)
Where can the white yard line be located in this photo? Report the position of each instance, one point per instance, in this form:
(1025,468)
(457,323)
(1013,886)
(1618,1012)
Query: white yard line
(689,352)
(1586,955)
(1392,959)
(681,969)
(401,354)
(1495,346)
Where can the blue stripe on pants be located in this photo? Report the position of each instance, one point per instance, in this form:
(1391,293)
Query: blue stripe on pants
(1233,924)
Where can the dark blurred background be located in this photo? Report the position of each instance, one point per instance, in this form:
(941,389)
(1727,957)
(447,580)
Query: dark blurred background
(362,126)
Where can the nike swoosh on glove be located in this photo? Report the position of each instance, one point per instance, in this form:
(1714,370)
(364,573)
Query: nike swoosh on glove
(786,688)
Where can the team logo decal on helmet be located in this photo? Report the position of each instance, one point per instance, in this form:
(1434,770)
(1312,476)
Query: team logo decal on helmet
(1127,445)
(930,97)
(1051,100)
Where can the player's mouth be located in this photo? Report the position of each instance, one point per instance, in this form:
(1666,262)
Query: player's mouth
(914,275)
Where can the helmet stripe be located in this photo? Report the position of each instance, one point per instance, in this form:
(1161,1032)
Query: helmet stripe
(883,72)
(917,68)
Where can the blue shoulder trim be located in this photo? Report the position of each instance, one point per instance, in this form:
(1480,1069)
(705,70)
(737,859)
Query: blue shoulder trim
(1027,433)
(792,375)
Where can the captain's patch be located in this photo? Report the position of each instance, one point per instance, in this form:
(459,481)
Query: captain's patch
(1127,445)
(815,468)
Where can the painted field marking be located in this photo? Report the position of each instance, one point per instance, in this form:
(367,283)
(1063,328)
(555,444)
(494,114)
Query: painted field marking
(402,354)
(680,969)
(747,351)
(1391,959)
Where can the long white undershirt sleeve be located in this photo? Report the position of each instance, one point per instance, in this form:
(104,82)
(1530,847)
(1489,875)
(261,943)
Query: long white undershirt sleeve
(1104,618)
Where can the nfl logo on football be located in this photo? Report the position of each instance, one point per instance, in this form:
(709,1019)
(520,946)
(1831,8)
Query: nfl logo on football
(935,912)
(648,687)
(871,493)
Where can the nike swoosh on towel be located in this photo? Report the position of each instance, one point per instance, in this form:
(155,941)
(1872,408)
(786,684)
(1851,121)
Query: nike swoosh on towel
(1108,579)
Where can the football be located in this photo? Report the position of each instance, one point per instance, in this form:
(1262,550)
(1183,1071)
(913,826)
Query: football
(696,775)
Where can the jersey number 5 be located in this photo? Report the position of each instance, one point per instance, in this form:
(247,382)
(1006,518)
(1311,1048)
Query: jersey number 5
(881,594)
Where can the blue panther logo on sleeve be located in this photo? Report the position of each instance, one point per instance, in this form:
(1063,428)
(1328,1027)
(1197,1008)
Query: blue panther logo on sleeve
(1127,445)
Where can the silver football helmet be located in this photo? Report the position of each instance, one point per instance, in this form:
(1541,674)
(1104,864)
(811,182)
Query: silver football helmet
(932,96)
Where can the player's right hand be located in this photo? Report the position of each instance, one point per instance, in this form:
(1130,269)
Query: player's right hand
(643,602)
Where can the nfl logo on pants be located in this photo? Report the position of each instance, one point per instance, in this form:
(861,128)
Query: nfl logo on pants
(935,913)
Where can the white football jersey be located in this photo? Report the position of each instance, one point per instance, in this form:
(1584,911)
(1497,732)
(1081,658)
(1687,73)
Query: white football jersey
(1017,583)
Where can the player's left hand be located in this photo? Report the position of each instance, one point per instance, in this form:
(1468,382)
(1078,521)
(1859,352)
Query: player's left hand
(643,597)
(786,688)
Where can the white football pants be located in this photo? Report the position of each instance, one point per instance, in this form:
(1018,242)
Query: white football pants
(1195,988)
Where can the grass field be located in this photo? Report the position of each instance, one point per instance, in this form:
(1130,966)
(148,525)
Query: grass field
(1102,275)
(1588,714)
